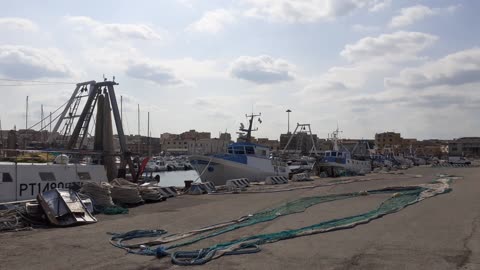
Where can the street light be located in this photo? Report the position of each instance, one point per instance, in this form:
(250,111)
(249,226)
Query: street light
(288,112)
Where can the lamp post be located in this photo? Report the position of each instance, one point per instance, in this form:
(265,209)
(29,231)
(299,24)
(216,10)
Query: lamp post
(288,112)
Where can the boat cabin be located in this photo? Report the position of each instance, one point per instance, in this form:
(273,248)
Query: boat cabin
(336,154)
(248,149)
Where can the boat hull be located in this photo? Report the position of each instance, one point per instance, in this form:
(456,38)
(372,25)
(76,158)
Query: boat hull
(353,165)
(218,170)
(24,181)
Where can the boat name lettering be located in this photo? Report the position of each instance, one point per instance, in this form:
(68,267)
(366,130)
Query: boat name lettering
(36,188)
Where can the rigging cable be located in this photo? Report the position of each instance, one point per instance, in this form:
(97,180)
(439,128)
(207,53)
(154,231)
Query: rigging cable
(48,116)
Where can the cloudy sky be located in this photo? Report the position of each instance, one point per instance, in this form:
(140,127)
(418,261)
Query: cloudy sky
(369,65)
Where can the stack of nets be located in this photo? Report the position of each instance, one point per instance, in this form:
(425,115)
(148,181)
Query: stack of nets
(99,193)
(151,193)
(125,192)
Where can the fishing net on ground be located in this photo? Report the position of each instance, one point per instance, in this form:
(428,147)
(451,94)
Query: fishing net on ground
(401,198)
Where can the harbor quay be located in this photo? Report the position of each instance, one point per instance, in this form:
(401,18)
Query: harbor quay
(436,233)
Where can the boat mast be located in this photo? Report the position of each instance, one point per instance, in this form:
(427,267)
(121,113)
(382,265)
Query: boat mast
(248,138)
(335,139)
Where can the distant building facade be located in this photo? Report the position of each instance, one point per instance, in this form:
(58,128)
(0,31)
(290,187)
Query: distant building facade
(141,145)
(194,135)
(193,142)
(274,145)
(467,146)
(388,141)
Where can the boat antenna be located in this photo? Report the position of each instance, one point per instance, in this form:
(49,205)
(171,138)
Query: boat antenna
(248,137)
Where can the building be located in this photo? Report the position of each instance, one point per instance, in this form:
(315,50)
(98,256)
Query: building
(193,142)
(225,136)
(430,148)
(388,141)
(194,135)
(142,145)
(466,146)
(391,142)
(274,145)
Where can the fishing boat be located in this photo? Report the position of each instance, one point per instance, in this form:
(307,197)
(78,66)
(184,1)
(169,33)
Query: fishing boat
(342,159)
(243,159)
(24,181)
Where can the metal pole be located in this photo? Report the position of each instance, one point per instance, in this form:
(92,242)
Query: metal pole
(50,122)
(81,119)
(121,108)
(121,134)
(138,123)
(26,125)
(65,110)
(288,113)
(148,134)
(289,140)
(26,115)
(41,117)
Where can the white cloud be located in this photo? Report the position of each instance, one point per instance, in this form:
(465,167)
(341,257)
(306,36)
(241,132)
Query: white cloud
(398,46)
(22,62)
(365,28)
(212,21)
(410,15)
(371,60)
(154,72)
(186,3)
(416,13)
(114,30)
(380,5)
(342,81)
(459,68)
(306,11)
(194,69)
(262,69)
(18,24)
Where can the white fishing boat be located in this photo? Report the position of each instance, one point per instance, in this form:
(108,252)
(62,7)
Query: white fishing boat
(156,164)
(343,159)
(24,181)
(242,160)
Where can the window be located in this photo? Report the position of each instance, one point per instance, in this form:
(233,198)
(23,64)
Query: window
(7,177)
(249,150)
(334,154)
(239,150)
(230,150)
(47,176)
(84,176)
